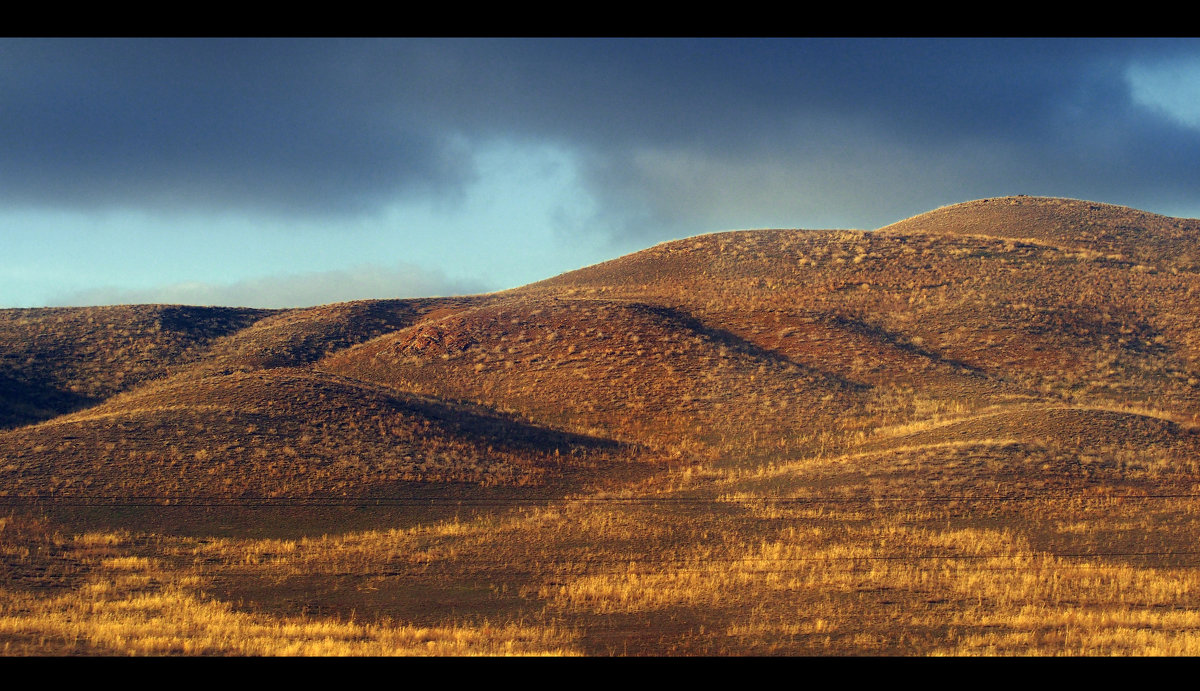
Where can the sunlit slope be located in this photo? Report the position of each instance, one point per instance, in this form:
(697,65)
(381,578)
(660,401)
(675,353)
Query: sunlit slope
(949,312)
(1119,233)
(1095,300)
(1017,449)
(634,371)
(282,432)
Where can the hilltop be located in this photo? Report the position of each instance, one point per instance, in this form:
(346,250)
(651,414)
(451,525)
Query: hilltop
(1117,232)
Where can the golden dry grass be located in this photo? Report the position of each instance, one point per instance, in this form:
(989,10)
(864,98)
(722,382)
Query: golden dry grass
(132,606)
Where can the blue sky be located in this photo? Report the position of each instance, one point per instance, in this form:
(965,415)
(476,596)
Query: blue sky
(289,172)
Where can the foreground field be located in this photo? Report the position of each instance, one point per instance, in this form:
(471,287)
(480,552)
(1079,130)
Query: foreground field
(973,432)
(712,561)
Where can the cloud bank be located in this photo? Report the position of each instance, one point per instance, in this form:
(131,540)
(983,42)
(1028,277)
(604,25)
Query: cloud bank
(341,126)
(298,290)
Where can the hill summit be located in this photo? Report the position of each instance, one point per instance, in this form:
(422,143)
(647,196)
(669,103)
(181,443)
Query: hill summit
(1116,231)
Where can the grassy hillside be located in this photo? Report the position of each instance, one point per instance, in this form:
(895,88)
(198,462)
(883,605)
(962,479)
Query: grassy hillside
(280,433)
(625,370)
(974,431)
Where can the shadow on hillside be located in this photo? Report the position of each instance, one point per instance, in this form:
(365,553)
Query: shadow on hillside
(206,323)
(25,403)
(681,319)
(856,324)
(485,425)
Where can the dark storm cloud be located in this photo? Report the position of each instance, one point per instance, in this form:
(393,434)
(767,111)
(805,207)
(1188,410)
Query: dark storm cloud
(889,128)
(671,134)
(280,125)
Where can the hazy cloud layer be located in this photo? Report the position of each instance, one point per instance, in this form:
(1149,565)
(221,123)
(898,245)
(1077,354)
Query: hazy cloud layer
(671,135)
(315,288)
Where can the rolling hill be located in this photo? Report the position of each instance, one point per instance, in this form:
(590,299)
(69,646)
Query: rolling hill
(969,387)
(759,341)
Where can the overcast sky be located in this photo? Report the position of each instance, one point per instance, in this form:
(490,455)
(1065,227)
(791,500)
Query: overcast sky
(298,172)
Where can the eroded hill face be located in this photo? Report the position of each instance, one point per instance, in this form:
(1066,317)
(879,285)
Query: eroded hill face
(760,345)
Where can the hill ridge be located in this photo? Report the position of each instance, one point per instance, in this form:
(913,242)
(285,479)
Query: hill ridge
(1115,231)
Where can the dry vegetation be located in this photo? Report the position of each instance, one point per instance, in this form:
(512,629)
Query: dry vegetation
(976,431)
